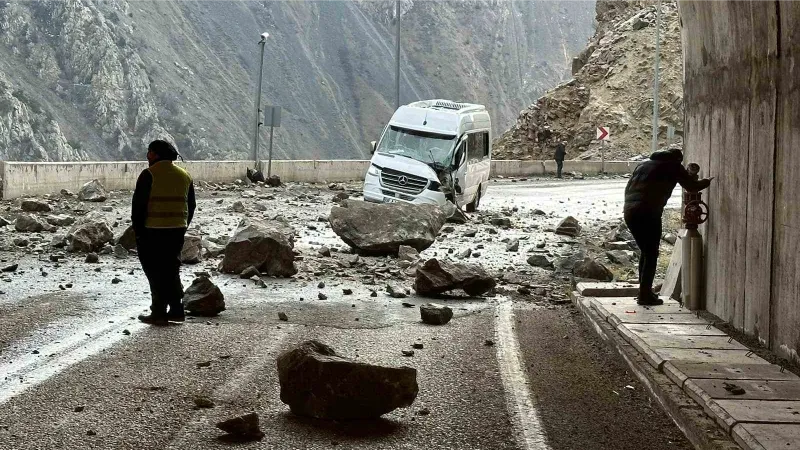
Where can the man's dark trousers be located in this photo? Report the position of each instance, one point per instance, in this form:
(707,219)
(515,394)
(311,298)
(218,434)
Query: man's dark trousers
(645,226)
(559,166)
(159,252)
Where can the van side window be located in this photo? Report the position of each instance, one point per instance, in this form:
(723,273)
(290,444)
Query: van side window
(460,154)
(474,146)
(478,146)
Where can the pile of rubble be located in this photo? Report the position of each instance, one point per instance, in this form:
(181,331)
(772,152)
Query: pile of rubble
(397,251)
(612,87)
(382,254)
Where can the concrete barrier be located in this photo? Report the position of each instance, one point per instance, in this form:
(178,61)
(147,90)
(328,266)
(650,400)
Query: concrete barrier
(27,179)
(592,167)
(516,168)
(21,179)
(328,171)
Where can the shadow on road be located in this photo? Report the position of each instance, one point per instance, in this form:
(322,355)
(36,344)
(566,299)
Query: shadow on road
(352,430)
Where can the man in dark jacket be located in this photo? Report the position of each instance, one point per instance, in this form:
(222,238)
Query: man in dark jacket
(163,207)
(561,152)
(648,191)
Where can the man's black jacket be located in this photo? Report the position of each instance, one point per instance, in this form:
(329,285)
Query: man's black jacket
(653,181)
(561,152)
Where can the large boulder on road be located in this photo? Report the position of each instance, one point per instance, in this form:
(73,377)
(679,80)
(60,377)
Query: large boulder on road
(380,229)
(28,223)
(436,277)
(127,239)
(569,227)
(274,181)
(591,269)
(256,176)
(212,249)
(192,249)
(60,220)
(242,428)
(316,382)
(620,233)
(266,245)
(89,234)
(539,260)
(435,314)
(203,298)
(454,214)
(31,205)
(92,191)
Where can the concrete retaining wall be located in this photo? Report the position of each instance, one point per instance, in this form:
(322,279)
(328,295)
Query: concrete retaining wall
(20,179)
(23,179)
(27,179)
(742,100)
(319,171)
(514,168)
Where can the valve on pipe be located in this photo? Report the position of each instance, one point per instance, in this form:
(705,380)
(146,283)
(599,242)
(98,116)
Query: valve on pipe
(695,213)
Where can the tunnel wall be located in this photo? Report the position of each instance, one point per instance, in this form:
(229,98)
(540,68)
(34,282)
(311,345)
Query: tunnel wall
(743,127)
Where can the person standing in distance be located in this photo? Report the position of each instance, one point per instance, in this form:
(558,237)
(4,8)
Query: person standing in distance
(561,152)
(162,209)
(646,194)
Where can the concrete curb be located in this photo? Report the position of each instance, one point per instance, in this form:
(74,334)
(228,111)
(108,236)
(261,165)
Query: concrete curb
(701,430)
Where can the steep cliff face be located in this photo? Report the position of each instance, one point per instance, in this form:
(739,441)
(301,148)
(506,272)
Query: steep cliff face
(98,79)
(503,54)
(612,87)
(28,131)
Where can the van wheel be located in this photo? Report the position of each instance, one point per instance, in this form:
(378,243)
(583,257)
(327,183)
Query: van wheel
(472,207)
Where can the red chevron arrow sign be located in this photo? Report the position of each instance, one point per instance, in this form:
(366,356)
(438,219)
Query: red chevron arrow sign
(603,133)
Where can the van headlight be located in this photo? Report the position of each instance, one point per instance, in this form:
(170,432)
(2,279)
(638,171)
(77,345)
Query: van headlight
(434,186)
(373,170)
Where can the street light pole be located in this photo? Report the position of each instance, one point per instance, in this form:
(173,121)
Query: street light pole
(257,103)
(654,144)
(397,56)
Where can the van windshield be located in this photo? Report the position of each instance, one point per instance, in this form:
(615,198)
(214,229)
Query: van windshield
(418,145)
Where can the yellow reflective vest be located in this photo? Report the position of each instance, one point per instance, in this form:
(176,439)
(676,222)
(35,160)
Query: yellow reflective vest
(168,206)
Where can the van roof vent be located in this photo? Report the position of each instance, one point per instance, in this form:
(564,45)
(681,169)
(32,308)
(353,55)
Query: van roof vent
(448,105)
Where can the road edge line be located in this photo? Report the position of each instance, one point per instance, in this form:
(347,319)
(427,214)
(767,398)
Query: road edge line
(519,403)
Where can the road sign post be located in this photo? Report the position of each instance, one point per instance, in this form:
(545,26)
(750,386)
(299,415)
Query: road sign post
(603,134)
(272,118)
(602,157)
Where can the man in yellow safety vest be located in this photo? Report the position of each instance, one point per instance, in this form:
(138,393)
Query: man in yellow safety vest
(163,207)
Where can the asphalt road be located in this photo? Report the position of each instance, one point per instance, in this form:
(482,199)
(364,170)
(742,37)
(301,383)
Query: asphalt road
(78,372)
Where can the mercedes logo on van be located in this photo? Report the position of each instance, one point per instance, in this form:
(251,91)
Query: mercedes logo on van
(402,180)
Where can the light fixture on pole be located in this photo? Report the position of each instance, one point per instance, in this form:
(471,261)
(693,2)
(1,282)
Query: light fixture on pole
(397,56)
(655,77)
(257,103)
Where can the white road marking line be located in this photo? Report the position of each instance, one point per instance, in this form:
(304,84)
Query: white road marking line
(515,382)
(69,345)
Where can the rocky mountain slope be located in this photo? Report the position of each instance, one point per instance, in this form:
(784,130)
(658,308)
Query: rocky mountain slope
(612,86)
(98,79)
